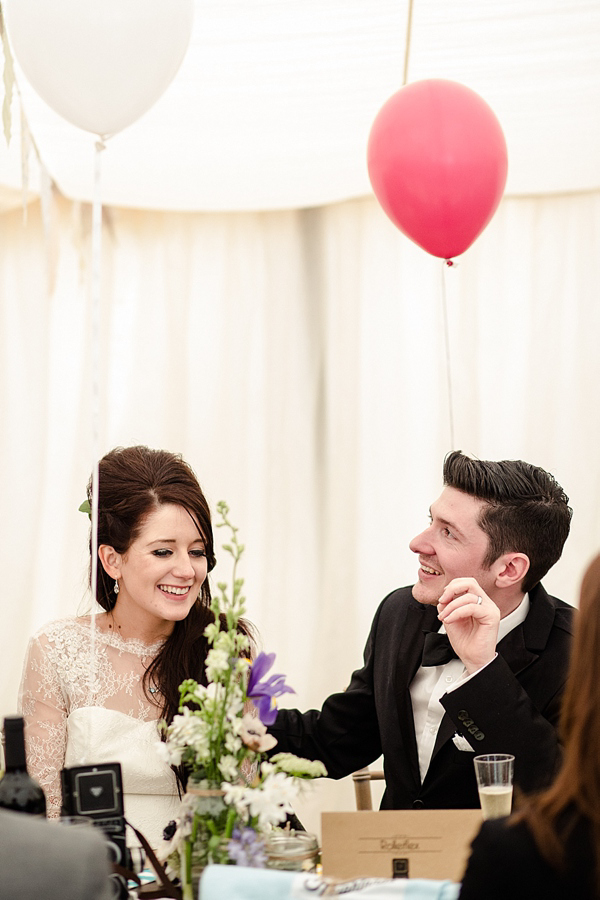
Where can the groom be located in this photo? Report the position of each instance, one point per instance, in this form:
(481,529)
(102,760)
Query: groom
(491,681)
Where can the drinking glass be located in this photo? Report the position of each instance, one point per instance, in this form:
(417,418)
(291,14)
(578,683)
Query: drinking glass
(494,772)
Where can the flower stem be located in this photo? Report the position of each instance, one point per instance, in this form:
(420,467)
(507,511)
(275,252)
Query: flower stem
(188,893)
(229,825)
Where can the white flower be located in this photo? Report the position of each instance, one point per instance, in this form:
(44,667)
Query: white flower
(225,643)
(183,828)
(217,662)
(169,846)
(235,702)
(189,730)
(254,734)
(234,793)
(215,694)
(281,787)
(267,810)
(228,767)
(169,754)
(199,693)
(242,665)
(274,800)
(211,631)
(237,795)
(232,743)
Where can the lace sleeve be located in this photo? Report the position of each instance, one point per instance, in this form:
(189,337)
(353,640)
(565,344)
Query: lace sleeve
(43,705)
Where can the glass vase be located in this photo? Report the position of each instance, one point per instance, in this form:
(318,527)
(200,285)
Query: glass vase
(207,842)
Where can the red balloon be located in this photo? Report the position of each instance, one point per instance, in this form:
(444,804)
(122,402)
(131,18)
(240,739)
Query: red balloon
(437,162)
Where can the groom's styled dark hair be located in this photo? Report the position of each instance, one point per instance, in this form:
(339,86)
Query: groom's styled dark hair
(525,511)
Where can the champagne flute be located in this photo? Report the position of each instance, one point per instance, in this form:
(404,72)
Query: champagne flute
(494,772)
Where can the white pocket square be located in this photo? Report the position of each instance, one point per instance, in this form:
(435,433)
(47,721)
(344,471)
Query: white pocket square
(462,743)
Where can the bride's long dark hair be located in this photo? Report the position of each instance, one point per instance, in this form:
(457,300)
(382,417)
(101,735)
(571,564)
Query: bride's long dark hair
(133,483)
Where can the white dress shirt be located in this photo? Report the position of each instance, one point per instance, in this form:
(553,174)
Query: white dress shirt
(432,682)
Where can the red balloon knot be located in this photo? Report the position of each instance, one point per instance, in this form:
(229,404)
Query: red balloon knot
(450,262)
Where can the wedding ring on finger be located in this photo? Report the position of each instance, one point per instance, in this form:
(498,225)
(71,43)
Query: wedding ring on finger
(479,601)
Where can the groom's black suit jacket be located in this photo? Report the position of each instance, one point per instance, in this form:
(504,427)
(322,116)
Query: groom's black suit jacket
(511,706)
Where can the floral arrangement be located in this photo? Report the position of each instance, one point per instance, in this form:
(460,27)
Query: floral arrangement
(235,795)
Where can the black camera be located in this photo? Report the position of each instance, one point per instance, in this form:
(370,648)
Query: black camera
(97,792)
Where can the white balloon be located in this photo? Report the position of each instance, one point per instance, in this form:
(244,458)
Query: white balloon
(100,64)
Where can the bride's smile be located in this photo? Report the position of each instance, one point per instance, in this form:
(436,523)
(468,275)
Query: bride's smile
(161,574)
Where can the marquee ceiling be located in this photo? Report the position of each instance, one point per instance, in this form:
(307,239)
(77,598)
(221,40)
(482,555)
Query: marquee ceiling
(273,103)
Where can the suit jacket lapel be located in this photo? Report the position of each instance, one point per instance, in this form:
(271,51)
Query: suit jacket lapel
(419,618)
(519,646)
(512,648)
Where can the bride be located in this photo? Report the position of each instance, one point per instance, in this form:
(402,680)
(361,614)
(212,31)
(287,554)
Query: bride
(94,688)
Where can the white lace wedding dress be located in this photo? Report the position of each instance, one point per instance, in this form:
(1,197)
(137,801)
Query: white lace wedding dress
(75,717)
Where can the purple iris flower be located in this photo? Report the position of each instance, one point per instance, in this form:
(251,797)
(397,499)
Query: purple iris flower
(246,848)
(263,693)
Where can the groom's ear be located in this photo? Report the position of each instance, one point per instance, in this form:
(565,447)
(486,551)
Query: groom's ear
(511,569)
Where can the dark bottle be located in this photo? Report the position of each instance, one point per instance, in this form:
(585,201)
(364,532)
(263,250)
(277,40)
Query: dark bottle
(18,790)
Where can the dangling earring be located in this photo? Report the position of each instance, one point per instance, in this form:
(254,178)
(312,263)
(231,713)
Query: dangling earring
(116,587)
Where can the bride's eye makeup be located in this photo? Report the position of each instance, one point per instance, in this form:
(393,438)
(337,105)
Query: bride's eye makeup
(165,552)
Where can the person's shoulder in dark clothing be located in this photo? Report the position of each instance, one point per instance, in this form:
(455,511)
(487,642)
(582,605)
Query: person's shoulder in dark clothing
(506,863)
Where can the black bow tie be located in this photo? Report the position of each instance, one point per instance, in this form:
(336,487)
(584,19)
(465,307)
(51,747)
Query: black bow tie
(437,650)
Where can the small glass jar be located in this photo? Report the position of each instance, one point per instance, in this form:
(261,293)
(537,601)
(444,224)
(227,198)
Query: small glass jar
(292,851)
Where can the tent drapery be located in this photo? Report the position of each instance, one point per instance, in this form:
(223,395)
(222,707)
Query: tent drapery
(294,352)
(272,106)
(297,360)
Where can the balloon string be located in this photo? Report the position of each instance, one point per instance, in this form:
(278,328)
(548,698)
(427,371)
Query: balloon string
(446,263)
(95,404)
(407,43)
